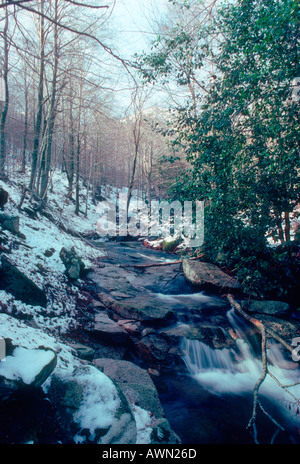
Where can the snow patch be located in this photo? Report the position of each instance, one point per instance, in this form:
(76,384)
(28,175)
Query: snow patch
(99,405)
(143,424)
(24,336)
(25,364)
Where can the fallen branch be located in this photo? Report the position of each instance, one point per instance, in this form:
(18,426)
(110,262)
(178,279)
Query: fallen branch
(142,266)
(258,323)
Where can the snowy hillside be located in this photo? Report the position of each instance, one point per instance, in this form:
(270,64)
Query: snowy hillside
(35,252)
(78,403)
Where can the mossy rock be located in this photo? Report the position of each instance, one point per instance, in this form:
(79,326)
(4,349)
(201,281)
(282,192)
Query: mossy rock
(171,245)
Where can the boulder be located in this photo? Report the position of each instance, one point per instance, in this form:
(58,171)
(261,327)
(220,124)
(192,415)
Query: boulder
(154,349)
(107,330)
(171,245)
(207,275)
(83,351)
(73,264)
(49,253)
(10,223)
(273,308)
(135,383)
(286,329)
(142,396)
(20,286)
(3,197)
(91,407)
(26,368)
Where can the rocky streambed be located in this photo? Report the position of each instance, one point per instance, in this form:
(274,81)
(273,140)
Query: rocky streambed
(146,304)
(157,359)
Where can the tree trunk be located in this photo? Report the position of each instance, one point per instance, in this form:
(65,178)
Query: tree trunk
(70,158)
(287,228)
(279,226)
(131,182)
(5,101)
(46,162)
(39,115)
(77,176)
(25,133)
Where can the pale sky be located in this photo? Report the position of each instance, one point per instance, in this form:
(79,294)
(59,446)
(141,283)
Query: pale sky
(133,22)
(133,19)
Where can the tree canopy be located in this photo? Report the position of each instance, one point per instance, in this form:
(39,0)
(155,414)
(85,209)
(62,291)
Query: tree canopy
(240,129)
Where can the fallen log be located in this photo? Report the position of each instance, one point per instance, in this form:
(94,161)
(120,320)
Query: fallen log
(142,266)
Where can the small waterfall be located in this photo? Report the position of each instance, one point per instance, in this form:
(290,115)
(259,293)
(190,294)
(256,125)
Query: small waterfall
(235,371)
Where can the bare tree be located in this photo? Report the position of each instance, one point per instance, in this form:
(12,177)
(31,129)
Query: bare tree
(40,103)
(136,131)
(4,99)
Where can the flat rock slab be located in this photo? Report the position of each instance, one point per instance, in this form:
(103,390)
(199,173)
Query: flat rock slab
(208,275)
(143,307)
(132,327)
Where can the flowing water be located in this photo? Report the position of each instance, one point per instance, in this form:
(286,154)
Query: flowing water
(237,370)
(211,401)
(217,395)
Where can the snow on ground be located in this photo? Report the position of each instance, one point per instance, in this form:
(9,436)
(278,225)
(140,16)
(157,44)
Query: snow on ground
(43,236)
(36,254)
(100,404)
(31,338)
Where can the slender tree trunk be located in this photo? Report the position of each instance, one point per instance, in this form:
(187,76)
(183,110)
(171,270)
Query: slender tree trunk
(131,182)
(70,158)
(5,101)
(39,115)
(279,226)
(77,176)
(23,167)
(46,165)
(287,228)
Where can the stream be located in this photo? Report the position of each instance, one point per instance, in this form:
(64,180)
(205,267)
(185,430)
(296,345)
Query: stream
(208,396)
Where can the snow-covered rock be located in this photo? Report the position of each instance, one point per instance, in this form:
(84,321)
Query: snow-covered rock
(91,408)
(141,394)
(21,286)
(25,368)
(10,223)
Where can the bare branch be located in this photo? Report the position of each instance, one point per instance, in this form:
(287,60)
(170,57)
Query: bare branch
(124,62)
(15,3)
(86,5)
(73,2)
(256,403)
